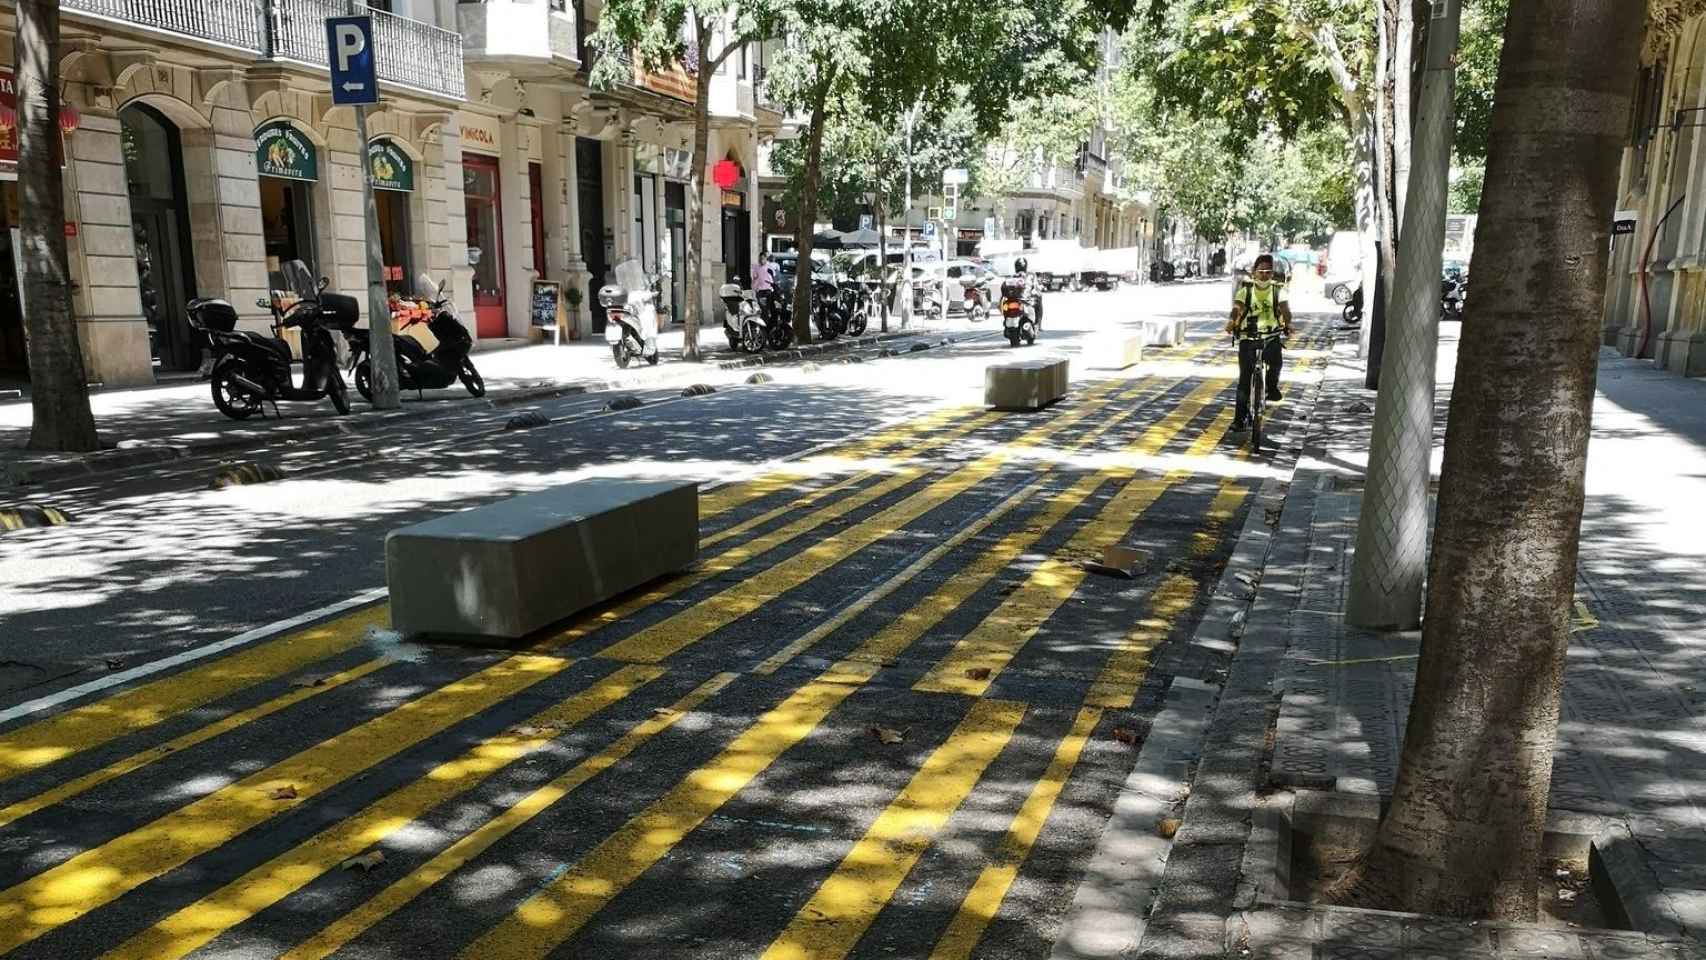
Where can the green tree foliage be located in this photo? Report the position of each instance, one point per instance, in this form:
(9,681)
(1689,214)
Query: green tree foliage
(1477,69)
(1256,65)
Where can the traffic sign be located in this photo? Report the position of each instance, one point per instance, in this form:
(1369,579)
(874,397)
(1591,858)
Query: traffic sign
(955,175)
(349,50)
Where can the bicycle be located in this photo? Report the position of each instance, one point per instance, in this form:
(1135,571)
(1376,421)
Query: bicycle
(1259,389)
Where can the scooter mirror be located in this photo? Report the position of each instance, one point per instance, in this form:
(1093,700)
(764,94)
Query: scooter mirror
(262,302)
(426,286)
(323,284)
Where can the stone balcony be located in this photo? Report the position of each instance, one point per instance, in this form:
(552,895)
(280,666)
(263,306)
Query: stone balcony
(411,54)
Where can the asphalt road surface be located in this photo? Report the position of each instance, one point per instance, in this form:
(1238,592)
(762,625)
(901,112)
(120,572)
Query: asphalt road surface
(885,716)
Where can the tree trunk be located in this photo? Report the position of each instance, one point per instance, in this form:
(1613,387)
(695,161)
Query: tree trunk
(1463,835)
(696,195)
(59,388)
(1375,307)
(1403,103)
(808,210)
(883,259)
(1368,218)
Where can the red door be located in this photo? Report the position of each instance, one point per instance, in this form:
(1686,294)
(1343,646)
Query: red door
(484,208)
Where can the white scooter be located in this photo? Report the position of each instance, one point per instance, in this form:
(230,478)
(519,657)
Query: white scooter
(743,321)
(630,306)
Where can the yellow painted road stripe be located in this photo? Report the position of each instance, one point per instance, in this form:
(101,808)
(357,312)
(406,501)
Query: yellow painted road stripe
(897,635)
(981,904)
(939,439)
(198,923)
(98,876)
(74,731)
(670,635)
(333,936)
(552,915)
(131,764)
(831,923)
(735,556)
(1117,685)
(727,498)
(980,656)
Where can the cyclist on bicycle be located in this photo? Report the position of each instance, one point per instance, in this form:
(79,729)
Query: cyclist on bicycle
(1261,317)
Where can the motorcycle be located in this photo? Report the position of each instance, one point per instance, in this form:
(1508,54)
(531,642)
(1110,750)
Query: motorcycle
(976,303)
(417,368)
(1352,313)
(631,314)
(253,369)
(743,321)
(1454,290)
(1019,318)
(832,305)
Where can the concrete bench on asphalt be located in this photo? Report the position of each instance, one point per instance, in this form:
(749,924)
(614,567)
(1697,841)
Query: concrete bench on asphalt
(1164,333)
(1025,384)
(1114,351)
(504,570)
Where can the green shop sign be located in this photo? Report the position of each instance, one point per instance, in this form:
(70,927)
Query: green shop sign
(388,167)
(281,150)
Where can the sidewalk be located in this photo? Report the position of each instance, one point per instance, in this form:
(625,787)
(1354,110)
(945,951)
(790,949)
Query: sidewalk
(175,419)
(1306,734)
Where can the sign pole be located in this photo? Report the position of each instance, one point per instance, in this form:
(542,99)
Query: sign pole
(383,351)
(355,83)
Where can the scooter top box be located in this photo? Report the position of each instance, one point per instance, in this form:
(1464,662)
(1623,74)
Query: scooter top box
(612,295)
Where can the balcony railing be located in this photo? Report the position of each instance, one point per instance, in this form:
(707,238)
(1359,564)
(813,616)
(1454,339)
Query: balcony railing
(229,23)
(410,53)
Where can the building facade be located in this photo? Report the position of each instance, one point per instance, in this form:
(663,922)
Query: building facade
(203,151)
(1655,305)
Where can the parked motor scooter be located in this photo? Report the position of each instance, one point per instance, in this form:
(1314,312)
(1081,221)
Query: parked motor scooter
(743,320)
(417,368)
(976,301)
(251,370)
(631,314)
(1454,290)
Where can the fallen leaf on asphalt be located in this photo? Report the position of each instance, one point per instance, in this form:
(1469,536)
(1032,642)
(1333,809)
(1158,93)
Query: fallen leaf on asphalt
(889,735)
(1166,828)
(366,861)
(310,682)
(532,730)
(286,792)
(977,673)
(1125,735)
(114,664)
(663,711)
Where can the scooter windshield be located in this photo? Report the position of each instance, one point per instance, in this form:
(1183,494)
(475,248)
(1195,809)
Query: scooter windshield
(298,279)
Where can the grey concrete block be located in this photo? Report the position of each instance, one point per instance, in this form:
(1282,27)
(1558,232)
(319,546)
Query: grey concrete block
(1164,333)
(509,568)
(1025,384)
(1114,351)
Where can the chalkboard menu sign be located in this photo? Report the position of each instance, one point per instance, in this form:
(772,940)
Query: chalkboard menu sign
(547,306)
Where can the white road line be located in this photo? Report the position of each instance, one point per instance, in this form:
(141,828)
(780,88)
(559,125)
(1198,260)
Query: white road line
(188,656)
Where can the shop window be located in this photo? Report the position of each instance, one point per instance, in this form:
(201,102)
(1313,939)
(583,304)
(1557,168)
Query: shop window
(536,201)
(287,222)
(482,206)
(392,173)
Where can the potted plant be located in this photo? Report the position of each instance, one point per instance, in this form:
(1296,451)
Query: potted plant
(573,296)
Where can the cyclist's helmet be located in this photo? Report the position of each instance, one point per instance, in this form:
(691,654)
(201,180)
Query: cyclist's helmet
(1019,265)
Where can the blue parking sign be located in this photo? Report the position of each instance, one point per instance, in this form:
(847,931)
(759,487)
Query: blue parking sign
(349,50)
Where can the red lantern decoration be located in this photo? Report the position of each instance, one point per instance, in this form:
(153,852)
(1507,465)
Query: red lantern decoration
(68,117)
(725,174)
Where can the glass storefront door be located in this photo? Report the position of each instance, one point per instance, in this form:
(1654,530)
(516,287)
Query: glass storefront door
(165,268)
(14,358)
(484,209)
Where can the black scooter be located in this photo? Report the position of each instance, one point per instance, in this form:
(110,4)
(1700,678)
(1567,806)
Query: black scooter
(251,370)
(418,369)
